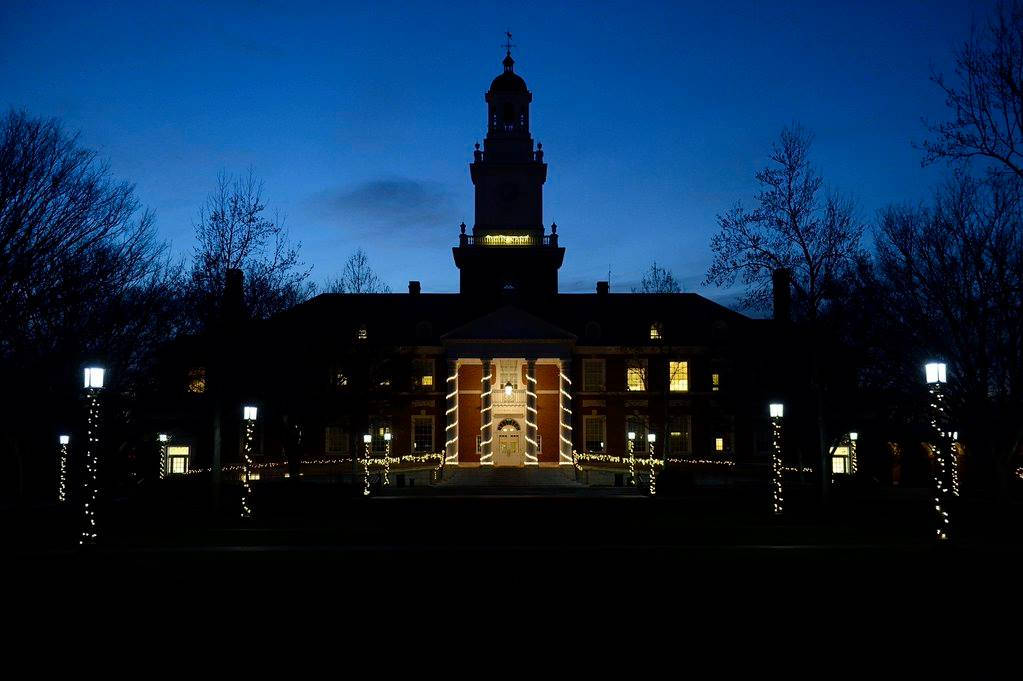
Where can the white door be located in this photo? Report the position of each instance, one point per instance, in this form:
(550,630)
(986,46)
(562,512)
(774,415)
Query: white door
(508,453)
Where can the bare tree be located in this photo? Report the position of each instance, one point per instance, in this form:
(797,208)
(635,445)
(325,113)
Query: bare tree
(658,280)
(986,97)
(233,232)
(951,283)
(797,225)
(357,277)
(82,277)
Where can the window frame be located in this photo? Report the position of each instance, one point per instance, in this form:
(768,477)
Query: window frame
(639,365)
(174,454)
(423,418)
(684,365)
(595,418)
(685,422)
(602,383)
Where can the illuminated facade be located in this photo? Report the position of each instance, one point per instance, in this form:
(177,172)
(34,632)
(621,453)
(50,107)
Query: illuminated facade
(508,372)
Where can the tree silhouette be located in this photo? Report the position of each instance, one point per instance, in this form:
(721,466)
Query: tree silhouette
(797,225)
(233,232)
(658,279)
(357,277)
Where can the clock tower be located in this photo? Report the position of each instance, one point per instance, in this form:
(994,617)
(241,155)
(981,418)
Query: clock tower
(508,253)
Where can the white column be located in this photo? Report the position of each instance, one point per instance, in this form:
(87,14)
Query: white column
(532,458)
(487,415)
(565,394)
(451,405)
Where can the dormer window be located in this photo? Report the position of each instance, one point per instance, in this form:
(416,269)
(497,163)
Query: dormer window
(656,331)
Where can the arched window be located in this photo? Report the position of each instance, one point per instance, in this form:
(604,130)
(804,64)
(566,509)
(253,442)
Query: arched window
(508,425)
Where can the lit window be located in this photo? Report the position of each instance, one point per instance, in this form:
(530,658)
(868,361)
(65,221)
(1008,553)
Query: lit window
(656,331)
(719,444)
(424,373)
(336,440)
(715,382)
(635,375)
(593,375)
(840,460)
(594,428)
(422,433)
(637,425)
(679,428)
(197,380)
(177,460)
(361,333)
(678,375)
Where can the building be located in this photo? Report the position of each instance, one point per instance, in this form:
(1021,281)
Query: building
(506,372)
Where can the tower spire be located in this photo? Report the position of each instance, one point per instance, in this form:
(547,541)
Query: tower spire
(508,61)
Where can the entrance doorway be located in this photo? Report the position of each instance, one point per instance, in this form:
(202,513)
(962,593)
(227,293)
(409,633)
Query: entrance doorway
(509,450)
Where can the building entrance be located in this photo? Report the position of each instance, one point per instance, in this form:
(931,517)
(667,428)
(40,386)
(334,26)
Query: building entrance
(509,450)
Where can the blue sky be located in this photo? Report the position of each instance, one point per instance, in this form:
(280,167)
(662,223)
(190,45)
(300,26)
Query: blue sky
(360,118)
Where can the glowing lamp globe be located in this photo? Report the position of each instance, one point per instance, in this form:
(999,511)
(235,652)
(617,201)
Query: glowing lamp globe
(632,435)
(935,372)
(508,389)
(367,438)
(387,437)
(249,413)
(651,437)
(64,439)
(854,436)
(162,437)
(777,409)
(94,377)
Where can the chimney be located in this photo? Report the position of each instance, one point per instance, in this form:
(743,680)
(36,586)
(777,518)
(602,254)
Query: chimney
(602,288)
(413,288)
(234,298)
(781,279)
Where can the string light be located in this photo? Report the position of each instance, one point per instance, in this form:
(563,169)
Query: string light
(387,458)
(853,437)
(531,459)
(565,398)
(249,417)
(453,457)
(945,475)
(90,480)
(777,412)
(366,439)
(631,445)
(163,439)
(486,458)
(63,442)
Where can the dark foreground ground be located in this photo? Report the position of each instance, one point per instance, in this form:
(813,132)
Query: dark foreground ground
(609,546)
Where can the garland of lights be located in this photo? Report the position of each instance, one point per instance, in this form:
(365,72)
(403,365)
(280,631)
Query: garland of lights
(943,472)
(486,457)
(453,458)
(246,508)
(62,471)
(852,458)
(632,461)
(653,473)
(434,459)
(566,420)
(90,482)
(777,470)
(163,456)
(387,461)
(365,470)
(714,462)
(531,459)
(591,458)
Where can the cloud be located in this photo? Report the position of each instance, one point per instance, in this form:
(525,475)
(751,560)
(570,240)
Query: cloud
(395,203)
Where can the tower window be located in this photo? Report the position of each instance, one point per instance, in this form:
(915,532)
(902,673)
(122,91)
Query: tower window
(678,376)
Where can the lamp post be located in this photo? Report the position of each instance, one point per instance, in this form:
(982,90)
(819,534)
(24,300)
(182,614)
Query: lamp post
(935,375)
(249,414)
(63,443)
(387,457)
(853,436)
(90,480)
(508,388)
(651,438)
(163,439)
(631,444)
(777,412)
(366,439)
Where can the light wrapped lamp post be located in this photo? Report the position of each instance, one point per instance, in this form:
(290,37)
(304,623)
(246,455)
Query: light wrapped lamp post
(853,437)
(631,444)
(935,374)
(249,415)
(387,457)
(366,440)
(777,412)
(90,479)
(63,447)
(651,438)
(163,439)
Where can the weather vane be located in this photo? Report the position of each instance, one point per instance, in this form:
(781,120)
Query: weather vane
(508,44)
